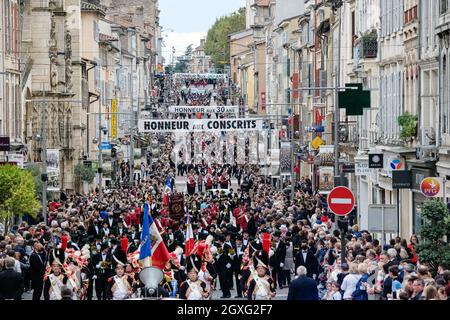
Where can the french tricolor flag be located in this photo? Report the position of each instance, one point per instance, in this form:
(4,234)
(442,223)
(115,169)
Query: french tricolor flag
(167,191)
(153,251)
(190,241)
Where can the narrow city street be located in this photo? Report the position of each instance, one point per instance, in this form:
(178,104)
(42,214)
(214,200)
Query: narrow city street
(225,150)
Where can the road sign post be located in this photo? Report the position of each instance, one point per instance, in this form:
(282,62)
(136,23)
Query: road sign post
(341,201)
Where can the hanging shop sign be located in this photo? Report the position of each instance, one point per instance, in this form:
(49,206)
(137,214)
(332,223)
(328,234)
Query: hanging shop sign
(317,129)
(376,161)
(432,187)
(53,169)
(205,109)
(401,179)
(114,118)
(362,169)
(4,144)
(200,125)
(317,142)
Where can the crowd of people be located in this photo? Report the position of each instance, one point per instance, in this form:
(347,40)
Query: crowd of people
(195,98)
(255,240)
(251,240)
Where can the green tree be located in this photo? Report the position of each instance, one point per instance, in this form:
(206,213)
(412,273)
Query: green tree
(85,173)
(17,193)
(35,171)
(182,66)
(217,45)
(435,225)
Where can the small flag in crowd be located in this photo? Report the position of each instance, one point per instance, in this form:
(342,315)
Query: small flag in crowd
(190,241)
(167,191)
(145,251)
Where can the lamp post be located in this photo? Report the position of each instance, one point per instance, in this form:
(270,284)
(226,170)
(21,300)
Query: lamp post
(44,177)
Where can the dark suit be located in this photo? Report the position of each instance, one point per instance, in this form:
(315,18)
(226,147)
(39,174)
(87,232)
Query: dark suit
(37,271)
(103,274)
(11,285)
(117,232)
(134,236)
(224,272)
(251,227)
(303,288)
(237,262)
(278,257)
(112,223)
(92,231)
(311,264)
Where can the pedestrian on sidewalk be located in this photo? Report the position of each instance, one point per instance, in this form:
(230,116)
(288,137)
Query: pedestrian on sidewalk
(11,282)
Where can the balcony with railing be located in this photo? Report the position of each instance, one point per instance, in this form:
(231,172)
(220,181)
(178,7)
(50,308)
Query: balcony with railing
(366,47)
(349,134)
(369,45)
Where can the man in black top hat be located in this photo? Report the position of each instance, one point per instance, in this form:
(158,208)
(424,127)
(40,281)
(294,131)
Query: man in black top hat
(118,255)
(277,260)
(38,261)
(224,267)
(119,230)
(239,250)
(103,266)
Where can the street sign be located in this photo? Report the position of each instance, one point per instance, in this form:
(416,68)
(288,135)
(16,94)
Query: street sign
(4,143)
(114,118)
(317,142)
(354,101)
(348,168)
(376,161)
(362,169)
(341,201)
(432,187)
(106,146)
(401,179)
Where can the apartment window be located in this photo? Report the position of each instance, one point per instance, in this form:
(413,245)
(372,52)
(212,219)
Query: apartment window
(444,6)
(305,33)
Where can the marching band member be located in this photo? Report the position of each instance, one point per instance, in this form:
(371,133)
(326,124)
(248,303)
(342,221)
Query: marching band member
(194,288)
(261,286)
(120,286)
(56,279)
(102,262)
(172,272)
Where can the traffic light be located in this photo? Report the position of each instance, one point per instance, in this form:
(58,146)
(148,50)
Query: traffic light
(354,101)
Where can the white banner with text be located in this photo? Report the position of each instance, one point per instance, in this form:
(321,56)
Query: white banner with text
(199,125)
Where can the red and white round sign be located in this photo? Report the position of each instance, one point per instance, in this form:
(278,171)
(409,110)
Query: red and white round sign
(341,201)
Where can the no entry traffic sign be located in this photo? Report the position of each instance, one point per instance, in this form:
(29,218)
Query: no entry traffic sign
(341,201)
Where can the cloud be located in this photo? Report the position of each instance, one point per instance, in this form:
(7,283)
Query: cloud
(180,40)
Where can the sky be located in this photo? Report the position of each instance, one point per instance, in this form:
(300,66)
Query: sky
(190,20)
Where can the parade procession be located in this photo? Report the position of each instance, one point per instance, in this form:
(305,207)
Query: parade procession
(133,169)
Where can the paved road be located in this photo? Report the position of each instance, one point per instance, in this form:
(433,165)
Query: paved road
(181,187)
(281,295)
